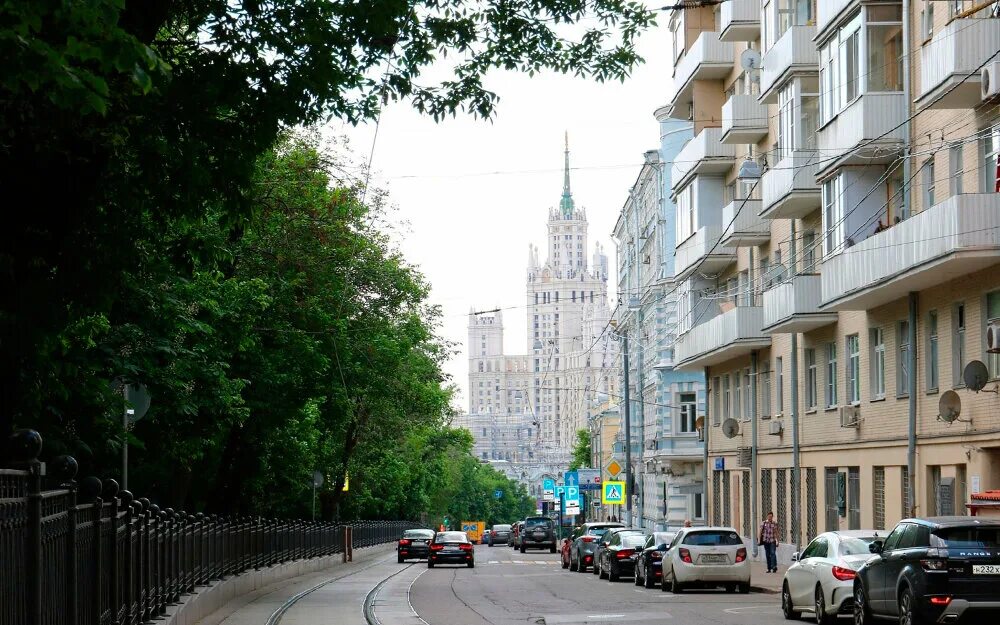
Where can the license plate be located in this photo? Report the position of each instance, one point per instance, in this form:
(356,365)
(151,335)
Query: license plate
(986,569)
(539,535)
(452,549)
(714,559)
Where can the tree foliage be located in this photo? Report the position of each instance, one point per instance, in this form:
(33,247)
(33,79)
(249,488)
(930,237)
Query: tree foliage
(581,450)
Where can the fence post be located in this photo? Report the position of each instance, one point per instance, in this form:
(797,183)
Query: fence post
(34,547)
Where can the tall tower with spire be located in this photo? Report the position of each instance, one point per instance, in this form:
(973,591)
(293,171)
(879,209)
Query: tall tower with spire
(566,203)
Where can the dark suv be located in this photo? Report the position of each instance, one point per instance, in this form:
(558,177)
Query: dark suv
(538,532)
(935,570)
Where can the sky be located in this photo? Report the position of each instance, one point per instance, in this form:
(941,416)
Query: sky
(471,195)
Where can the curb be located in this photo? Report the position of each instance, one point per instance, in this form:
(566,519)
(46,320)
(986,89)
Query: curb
(765,590)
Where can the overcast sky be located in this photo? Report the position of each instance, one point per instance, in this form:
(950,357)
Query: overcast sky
(476,193)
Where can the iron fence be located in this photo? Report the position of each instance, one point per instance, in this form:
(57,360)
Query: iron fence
(86,554)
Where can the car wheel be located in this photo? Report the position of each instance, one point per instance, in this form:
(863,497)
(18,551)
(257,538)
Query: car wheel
(819,608)
(400,559)
(730,588)
(472,564)
(862,613)
(744,588)
(430,564)
(522,548)
(648,580)
(907,615)
(635,576)
(573,566)
(603,574)
(675,586)
(786,604)
(596,568)
(552,549)
(612,575)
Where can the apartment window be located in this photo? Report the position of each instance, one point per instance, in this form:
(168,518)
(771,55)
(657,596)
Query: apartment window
(811,375)
(853,369)
(839,68)
(833,214)
(884,31)
(677,31)
(764,268)
(957,343)
(779,386)
(831,375)
(573,296)
(725,397)
(716,404)
(746,393)
(932,350)
(929,183)
(876,343)
(955,158)
(786,121)
(989,172)
(685,213)
(689,409)
(992,312)
(737,395)
(927,19)
(903,358)
(765,392)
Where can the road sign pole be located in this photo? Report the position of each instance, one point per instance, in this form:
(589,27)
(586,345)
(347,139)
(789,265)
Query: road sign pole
(628,431)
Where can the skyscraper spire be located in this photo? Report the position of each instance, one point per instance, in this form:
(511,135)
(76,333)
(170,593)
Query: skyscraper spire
(566,203)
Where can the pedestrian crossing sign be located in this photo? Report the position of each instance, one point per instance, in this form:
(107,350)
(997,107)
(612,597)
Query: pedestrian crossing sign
(613,492)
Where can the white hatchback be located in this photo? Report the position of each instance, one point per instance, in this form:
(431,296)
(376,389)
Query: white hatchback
(707,557)
(821,578)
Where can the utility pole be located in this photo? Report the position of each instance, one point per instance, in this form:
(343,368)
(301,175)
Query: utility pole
(628,436)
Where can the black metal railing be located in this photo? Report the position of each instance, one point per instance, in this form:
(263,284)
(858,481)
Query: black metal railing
(86,554)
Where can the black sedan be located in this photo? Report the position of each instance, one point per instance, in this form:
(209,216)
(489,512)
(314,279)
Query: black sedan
(451,548)
(648,565)
(618,558)
(604,540)
(499,535)
(414,544)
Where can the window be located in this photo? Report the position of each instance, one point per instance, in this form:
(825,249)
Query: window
(831,375)
(786,122)
(876,343)
(746,393)
(689,409)
(811,374)
(955,158)
(737,395)
(957,343)
(903,358)
(809,252)
(992,312)
(853,369)
(725,396)
(927,19)
(932,351)
(989,173)
(779,387)
(765,393)
(833,214)
(929,183)
(884,31)
(840,67)
(685,213)
(677,31)
(716,405)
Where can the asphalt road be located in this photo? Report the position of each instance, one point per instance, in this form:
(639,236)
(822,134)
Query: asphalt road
(510,588)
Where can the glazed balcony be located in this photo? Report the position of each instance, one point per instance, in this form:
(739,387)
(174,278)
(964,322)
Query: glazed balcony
(748,228)
(789,189)
(949,61)
(793,306)
(740,20)
(827,12)
(795,52)
(730,334)
(705,154)
(855,135)
(744,119)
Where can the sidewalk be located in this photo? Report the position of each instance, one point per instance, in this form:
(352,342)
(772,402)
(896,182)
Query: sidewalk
(762,581)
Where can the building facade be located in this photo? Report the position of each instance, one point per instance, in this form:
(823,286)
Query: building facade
(525,409)
(835,294)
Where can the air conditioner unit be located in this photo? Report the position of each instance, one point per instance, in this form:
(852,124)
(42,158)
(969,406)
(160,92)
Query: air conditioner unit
(850,416)
(774,428)
(744,457)
(990,80)
(993,336)
(650,445)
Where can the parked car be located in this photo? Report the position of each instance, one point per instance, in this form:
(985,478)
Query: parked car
(618,558)
(515,535)
(583,542)
(934,570)
(538,532)
(414,544)
(648,565)
(453,548)
(821,578)
(604,540)
(706,557)
(498,534)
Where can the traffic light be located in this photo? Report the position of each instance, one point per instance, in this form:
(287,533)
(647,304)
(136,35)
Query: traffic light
(447,523)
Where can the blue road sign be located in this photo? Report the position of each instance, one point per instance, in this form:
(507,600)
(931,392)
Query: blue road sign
(570,478)
(498,494)
(549,485)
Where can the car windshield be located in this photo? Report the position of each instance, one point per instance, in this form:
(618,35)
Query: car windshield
(596,531)
(538,523)
(632,541)
(968,537)
(501,528)
(418,534)
(451,537)
(662,538)
(855,545)
(712,538)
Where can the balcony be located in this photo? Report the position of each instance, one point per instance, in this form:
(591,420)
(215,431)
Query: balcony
(748,228)
(728,335)
(706,59)
(948,60)
(827,12)
(705,154)
(700,252)
(789,189)
(794,52)
(740,20)
(850,137)
(744,119)
(950,240)
(793,306)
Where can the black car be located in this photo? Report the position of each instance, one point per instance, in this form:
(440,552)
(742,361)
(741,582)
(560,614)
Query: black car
(648,565)
(414,544)
(451,548)
(583,542)
(604,540)
(934,570)
(499,535)
(618,558)
(538,532)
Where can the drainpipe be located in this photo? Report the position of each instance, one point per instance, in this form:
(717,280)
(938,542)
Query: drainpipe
(704,450)
(907,99)
(911,451)
(753,451)
(796,484)
(628,434)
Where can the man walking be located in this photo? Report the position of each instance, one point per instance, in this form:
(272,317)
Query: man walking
(768,536)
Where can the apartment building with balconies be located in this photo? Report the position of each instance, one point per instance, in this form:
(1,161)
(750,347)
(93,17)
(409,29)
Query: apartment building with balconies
(850,284)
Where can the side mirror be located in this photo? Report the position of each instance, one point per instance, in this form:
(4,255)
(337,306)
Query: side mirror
(662,547)
(875,546)
(795,557)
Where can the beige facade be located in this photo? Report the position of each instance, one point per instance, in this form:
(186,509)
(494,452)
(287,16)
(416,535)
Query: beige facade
(872,238)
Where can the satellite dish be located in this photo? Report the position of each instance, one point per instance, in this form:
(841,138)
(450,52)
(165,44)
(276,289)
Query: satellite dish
(750,60)
(950,406)
(976,375)
(730,428)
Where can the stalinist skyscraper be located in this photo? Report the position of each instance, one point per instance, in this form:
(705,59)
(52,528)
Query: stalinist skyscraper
(524,410)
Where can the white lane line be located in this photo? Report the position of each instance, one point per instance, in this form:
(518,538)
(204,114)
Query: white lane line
(493,562)
(605,616)
(740,609)
(541,562)
(409,603)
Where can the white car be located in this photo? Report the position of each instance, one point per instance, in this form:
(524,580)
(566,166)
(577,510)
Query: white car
(821,578)
(706,557)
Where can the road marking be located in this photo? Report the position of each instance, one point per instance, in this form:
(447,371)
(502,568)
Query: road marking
(739,610)
(605,616)
(410,603)
(493,562)
(541,562)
